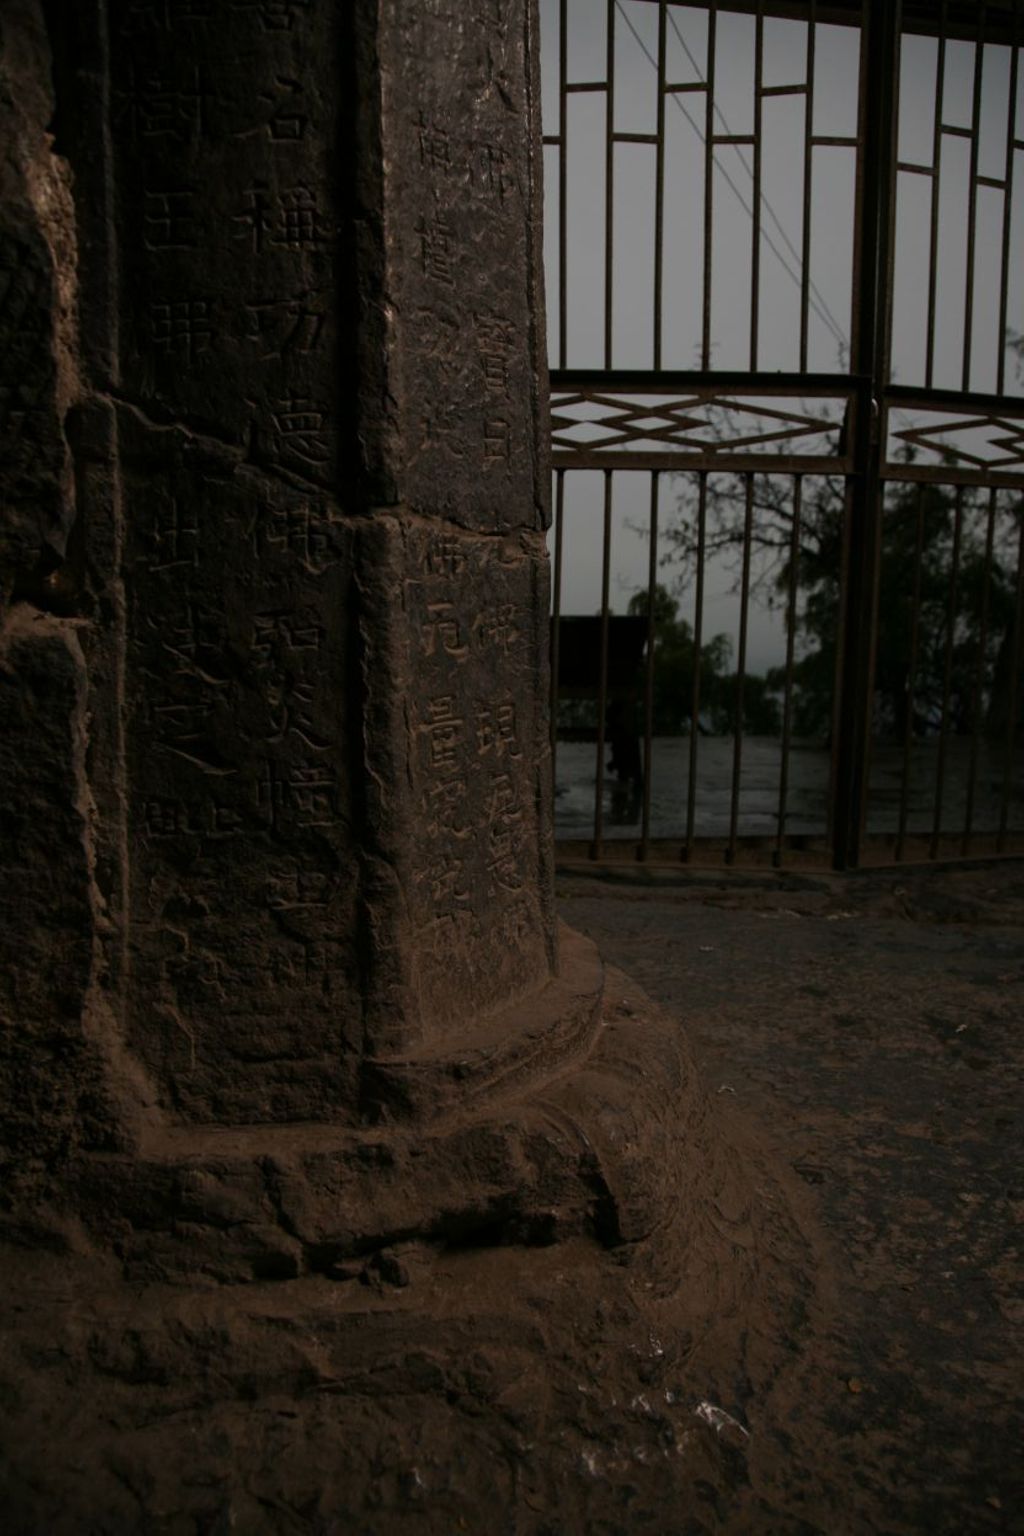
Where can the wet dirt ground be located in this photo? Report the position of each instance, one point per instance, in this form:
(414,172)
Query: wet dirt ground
(870,1030)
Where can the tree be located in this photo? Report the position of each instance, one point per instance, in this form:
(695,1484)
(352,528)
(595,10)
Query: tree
(918,532)
(674,653)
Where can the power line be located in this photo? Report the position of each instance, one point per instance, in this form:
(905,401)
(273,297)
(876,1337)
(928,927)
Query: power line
(817,302)
(836,325)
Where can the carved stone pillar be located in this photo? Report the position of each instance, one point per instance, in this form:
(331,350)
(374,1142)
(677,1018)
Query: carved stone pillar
(313,476)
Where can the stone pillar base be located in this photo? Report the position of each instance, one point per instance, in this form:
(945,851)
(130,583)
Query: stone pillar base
(574,1114)
(571,1304)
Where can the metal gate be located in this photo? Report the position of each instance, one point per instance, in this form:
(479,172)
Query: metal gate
(818,199)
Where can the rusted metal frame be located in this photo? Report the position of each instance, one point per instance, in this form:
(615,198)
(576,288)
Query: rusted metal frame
(705,383)
(556,612)
(609,188)
(698,642)
(659,191)
(629,414)
(971,402)
(918,16)
(563,184)
(741,671)
(709,181)
(915,628)
(626,432)
(972,217)
(787,708)
(933,239)
(942,475)
(1011,120)
(978,685)
(870,359)
(805,244)
(652,584)
(602,692)
(755,463)
(755,231)
(947,675)
(1015,666)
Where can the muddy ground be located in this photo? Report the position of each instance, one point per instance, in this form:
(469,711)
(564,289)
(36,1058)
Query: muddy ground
(870,1031)
(815,1332)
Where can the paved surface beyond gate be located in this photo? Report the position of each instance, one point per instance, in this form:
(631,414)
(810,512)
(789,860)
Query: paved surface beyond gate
(873,1029)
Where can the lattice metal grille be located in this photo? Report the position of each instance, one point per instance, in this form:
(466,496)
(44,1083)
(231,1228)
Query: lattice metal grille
(785,240)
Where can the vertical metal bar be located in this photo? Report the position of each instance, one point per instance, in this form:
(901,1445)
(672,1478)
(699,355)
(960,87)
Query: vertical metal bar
(602,695)
(741,670)
(1011,133)
(936,180)
(609,188)
(947,677)
(805,260)
(866,109)
(755,233)
(915,629)
(874,266)
(787,710)
(1014,687)
(652,587)
(977,690)
(709,176)
(972,217)
(563,184)
(556,613)
(698,642)
(659,192)
(838,666)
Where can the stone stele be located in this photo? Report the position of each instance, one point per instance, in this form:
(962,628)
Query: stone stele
(282,987)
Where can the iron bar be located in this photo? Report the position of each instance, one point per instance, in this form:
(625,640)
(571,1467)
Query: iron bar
(602,696)
(755,231)
(1004,275)
(563,185)
(908,724)
(947,675)
(609,189)
(659,192)
(805,252)
(709,178)
(787,709)
(652,587)
(972,216)
(1014,687)
(933,239)
(698,642)
(556,615)
(741,669)
(977,690)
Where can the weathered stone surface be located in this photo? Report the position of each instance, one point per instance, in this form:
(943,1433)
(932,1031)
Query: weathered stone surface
(51,1083)
(36,309)
(462,215)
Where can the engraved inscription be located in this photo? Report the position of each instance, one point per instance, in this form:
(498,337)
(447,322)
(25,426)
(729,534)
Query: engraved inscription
(169,220)
(290,220)
(496,347)
(286,325)
(160,105)
(437,249)
(174,537)
(182,327)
